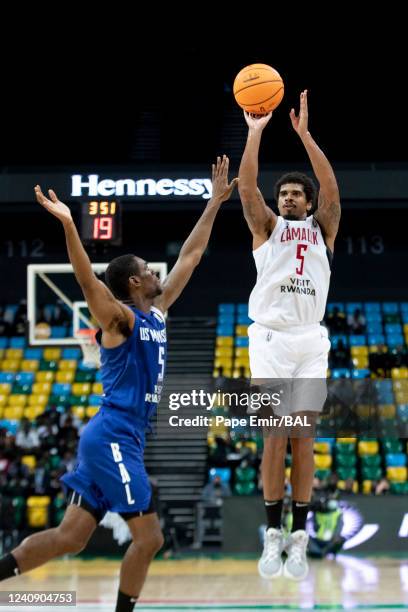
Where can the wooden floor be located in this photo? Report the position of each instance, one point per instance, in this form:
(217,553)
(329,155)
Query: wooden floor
(376,583)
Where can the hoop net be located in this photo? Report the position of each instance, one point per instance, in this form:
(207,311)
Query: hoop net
(89,346)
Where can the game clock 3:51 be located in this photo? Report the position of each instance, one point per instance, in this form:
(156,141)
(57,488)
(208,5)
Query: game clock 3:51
(101,221)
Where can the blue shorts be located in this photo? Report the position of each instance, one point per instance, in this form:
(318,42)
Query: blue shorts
(110,473)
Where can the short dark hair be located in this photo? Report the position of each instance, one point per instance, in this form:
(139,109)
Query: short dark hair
(301,179)
(117,275)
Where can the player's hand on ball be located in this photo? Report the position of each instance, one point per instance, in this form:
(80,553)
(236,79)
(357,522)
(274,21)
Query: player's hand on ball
(221,189)
(300,122)
(257,122)
(53,205)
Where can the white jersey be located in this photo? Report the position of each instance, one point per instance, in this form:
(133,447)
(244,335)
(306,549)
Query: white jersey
(293,275)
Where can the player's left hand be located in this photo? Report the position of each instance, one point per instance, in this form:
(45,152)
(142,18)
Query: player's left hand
(221,189)
(300,122)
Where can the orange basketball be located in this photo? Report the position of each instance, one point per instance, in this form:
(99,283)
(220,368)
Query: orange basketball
(258,89)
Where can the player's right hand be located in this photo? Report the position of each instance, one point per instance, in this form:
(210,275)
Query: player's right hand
(53,205)
(257,122)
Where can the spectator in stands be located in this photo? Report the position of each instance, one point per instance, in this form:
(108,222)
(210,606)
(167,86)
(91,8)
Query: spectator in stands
(60,315)
(27,437)
(336,321)
(220,380)
(68,435)
(380,362)
(340,356)
(382,486)
(356,322)
(68,461)
(398,357)
(41,480)
(215,490)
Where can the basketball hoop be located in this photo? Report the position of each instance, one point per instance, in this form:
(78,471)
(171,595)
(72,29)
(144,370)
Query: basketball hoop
(90,349)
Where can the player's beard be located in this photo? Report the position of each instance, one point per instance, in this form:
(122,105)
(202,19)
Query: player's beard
(290,217)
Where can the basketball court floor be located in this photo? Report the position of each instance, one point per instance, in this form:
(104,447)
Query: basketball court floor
(346,583)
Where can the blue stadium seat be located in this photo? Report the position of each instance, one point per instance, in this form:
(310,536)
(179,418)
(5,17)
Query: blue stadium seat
(242,309)
(61,389)
(4,342)
(340,373)
(372,308)
(374,328)
(71,353)
(226,308)
(58,331)
(94,400)
(404,306)
(225,319)
(242,341)
(402,413)
(10,313)
(335,340)
(223,473)
(395,460)
(394,340)
(390,308)
(352,306)
(33,353)
(373,318)
(98,376)
(7,377)
(361,373)
(357,340)
(332,305)
(17,342)
(376,339)
(393,328)
(383,385)
(330,441)
(225,330)
(25,378)
(244,320)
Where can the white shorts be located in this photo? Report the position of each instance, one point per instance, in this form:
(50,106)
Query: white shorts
(290,354)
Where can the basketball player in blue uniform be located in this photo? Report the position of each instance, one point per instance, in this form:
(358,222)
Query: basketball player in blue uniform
(110,474)
(292,253)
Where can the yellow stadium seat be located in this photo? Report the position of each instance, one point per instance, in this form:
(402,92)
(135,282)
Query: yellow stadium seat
(5,388)
(387,411)
(359,351)
(237,373)
(346,440)
(17,400)
(10,365)
(13,413)
(360,362)
(323,462)
(97,388)
(225,363)
(67,364)
(91,410)
(32,412)
(399,373)
(2,351)
(322,447)
(226,372)
(368,447)
(405,328)
(14,353)
(364,410)
(81,388)
(241,351)
(41,387)
(341,484)
(37,511)
(241,330)
(401,397)
(400,385)
(287,472)
(78,411)
(1,411)
(397,474)
(37,399)
(3,399)
(225,341)
(65,376)
(30,365)
(52,354)
(29,460)
(367,487)
(44,376)
(223,351)
(241,361)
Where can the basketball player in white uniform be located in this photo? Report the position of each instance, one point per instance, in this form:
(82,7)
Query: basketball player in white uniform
(292,255)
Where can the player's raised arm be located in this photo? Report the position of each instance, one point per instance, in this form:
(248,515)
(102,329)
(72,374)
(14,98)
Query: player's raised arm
(260,218)
(108,311)
(195,245)
(328,212)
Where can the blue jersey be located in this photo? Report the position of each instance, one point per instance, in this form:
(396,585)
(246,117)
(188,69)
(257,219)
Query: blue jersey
(132,373)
